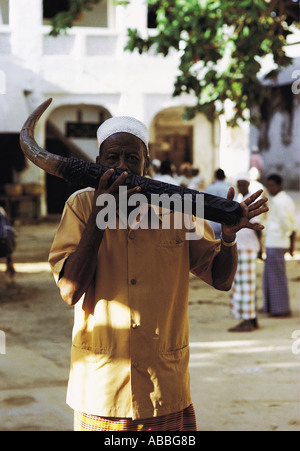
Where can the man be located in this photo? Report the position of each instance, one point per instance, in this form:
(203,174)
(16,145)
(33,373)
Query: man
(243,293)
(218,188)
(165,173)
(255,185)
(130,352)
(279,238)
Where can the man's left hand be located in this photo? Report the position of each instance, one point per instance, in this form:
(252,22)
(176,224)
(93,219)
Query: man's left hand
(251,208)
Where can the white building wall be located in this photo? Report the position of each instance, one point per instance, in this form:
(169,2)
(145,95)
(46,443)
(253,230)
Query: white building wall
(278,136)
(88,66)
(281,158)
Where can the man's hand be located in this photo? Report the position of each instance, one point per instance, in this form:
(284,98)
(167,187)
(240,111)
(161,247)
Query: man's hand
(225,262)
(79,268)
(251,208)
(113,189)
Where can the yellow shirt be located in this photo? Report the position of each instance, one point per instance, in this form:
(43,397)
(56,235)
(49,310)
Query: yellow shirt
(130,347)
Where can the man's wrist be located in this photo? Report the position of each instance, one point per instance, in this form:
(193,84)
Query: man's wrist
(228,241)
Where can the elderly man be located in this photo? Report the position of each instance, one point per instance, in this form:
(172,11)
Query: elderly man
(130,350)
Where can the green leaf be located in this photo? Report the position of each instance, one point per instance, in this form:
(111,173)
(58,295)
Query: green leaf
(242,31)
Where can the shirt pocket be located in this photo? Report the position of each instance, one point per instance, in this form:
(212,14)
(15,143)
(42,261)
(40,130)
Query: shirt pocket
(86,355)
(170,238)
(176,359)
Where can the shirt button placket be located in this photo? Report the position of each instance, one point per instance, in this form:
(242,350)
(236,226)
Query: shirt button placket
(131,236)
(134,354)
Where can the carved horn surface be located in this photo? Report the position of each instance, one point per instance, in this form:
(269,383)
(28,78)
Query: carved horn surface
(87,173)
(51,163)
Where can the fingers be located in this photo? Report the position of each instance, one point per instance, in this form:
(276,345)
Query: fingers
(255,213)
(105,187)
(119,181)
(257,227)
(137,189)
(230,194)
(258,207)
(255,208)
(253,197)
(128,193)
(104,184)
(257,204)
(258,210)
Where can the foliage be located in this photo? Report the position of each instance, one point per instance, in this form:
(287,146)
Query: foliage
(220,44)
(64,19)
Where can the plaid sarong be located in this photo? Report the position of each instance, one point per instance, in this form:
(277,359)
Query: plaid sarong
(275,284)
(243,291)
(185,420)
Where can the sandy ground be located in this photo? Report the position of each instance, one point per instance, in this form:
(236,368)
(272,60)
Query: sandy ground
(240,382)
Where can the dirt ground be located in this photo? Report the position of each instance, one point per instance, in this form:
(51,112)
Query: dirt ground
(239,381)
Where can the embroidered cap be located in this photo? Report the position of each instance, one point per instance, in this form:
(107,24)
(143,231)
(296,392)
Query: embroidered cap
(125,124)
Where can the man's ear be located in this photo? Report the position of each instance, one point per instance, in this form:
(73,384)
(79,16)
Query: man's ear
(98,159)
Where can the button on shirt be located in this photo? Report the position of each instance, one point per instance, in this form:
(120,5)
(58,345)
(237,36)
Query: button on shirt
(130,346)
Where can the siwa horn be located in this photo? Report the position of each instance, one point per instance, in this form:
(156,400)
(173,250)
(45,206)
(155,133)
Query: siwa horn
(86,173)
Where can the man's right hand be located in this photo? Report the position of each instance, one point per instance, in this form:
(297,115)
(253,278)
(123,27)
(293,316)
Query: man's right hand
(113,189)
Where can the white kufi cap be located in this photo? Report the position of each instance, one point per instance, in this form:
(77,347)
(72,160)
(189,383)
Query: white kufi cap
(243,176)
(122,124)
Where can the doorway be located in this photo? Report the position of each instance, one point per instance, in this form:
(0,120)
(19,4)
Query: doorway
(172,137)
(71,132)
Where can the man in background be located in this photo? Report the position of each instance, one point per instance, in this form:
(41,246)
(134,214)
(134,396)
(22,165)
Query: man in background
(243,292)
(218,188)
(279,238)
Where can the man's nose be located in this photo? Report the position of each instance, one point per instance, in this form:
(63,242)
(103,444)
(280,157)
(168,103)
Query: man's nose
(122,164)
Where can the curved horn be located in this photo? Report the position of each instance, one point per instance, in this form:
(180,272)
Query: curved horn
(53,164)
(88,174)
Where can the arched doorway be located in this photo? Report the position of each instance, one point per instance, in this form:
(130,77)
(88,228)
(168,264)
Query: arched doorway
(196,141)
(172,137)
(71,132)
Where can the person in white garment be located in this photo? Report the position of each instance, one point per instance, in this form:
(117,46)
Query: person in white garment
(243,291)
(280,237)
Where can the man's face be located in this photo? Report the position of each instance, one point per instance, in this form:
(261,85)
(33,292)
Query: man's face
(243,186)
(124,151)
(272,187)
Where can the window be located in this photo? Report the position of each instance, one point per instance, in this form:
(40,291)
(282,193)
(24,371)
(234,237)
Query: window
(4,12)
(85,130)
(151,19)
(52,7)
(100,15)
